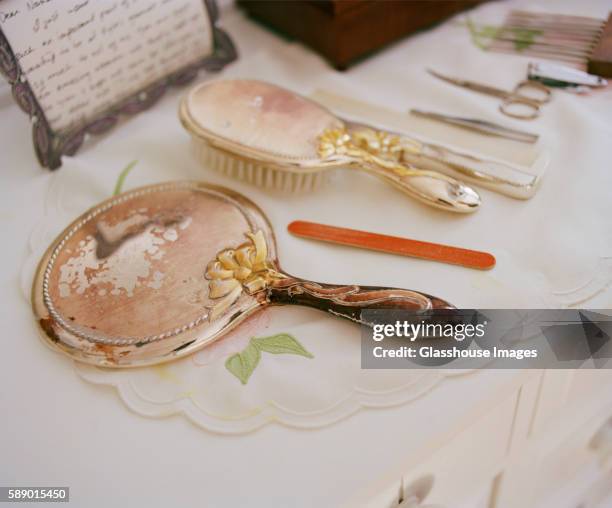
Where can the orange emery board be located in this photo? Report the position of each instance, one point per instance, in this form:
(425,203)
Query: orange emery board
(393,245)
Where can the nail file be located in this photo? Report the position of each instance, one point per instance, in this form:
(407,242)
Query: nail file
(393,245)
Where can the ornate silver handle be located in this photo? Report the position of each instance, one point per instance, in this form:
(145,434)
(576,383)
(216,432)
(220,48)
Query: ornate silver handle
(496,175)
(380,153)
(349,301)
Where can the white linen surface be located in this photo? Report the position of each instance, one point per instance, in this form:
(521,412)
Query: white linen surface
(553,250)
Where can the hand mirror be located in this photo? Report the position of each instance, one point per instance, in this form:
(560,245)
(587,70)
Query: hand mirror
(161,271)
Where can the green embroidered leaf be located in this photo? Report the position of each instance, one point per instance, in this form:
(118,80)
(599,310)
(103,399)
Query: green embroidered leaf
(122,176)
(483,32)
(281,343)
(525,37)
(488,31)
(243,364)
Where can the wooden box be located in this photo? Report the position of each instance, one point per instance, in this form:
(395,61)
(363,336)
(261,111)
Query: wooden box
(344,31)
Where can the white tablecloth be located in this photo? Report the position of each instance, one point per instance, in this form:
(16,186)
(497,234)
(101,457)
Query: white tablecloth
(553,250)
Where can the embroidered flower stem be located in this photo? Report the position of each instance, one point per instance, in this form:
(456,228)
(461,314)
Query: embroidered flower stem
(122,176)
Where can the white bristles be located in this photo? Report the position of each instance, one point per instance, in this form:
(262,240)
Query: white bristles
(257,173)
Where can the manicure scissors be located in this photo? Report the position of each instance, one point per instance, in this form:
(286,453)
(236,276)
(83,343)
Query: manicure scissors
(519,103)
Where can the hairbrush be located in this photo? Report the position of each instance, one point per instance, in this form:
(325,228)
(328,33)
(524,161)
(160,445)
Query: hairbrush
(161,271)
(272,137)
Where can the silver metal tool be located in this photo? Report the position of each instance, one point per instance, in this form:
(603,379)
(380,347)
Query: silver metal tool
(561,76)
(519,103)
(481,126)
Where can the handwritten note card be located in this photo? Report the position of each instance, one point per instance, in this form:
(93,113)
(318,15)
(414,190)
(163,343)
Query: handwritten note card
(82,56)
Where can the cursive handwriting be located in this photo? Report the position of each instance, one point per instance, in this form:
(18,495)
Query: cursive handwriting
(82,56)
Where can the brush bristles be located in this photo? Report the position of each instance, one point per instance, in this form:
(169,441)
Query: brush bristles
(258,173)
